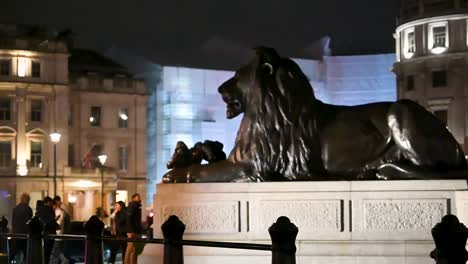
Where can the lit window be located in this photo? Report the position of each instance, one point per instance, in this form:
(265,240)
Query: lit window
(95,117)
(123,117)
(438,37)
(439,78)
(35,69)
(5,66)
(5,154)
(70,116)
(123,158)
(22,62)
(36,154)
(409,46)
(36,110)
(5,109)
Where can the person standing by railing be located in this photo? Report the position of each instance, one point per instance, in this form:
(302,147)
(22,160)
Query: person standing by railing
(133,228)
(63,221)
(22,213)
(47,215)
(119,229)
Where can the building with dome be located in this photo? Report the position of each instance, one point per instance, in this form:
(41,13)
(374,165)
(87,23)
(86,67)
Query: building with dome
(432,59)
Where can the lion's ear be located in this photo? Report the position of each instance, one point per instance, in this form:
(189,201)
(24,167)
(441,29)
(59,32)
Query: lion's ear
(268,67)
(269,58)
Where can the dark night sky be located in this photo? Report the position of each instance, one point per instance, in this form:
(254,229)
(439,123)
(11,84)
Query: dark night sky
(214,32)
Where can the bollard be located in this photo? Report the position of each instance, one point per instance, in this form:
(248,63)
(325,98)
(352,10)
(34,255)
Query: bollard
(283,239)
(35,241)
(450,239)
(94,228)
(3,241)
(173,231)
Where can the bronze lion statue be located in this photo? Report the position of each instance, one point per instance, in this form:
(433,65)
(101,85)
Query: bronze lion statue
(287,134)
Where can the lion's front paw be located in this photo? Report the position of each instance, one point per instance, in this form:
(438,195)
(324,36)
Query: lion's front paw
(177,175)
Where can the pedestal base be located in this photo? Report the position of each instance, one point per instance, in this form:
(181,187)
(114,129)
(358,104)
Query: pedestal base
(339,222)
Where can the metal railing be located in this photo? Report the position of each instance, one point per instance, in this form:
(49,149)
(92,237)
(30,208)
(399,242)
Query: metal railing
(450,238)
(283,234)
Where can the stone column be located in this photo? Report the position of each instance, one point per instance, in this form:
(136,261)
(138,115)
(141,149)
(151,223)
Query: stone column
(21,155)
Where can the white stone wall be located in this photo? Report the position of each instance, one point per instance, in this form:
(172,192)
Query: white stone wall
(339,222)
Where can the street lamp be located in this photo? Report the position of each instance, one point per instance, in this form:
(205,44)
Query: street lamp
(102,160)
(55,138)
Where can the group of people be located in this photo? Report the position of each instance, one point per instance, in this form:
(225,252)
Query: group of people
(56,221)
(125,223)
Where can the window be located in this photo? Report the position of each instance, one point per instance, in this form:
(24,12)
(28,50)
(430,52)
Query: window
(70,116)
(123,117)
(409,46)
(95,117)
(5,66)
(95,152)
(439,78)
(5,154)
(409,82)
(5,109)
(123,157)
(21,67)
(35,69)
(438,37)
(36,110)
(71,155)
(442,115)
(36,154)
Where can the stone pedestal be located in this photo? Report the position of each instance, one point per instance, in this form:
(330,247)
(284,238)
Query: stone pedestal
(339,222)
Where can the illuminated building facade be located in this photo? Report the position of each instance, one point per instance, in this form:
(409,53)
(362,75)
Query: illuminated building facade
(432,59)
(96,106)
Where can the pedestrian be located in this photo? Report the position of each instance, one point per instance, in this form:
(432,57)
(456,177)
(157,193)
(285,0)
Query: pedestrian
(133,228)
(119,229)
(47,215)
(63,221)
(22,213)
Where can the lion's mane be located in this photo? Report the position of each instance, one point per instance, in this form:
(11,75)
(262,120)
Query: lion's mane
(278,133)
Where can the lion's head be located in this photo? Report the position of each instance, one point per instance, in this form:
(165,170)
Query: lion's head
(278,126)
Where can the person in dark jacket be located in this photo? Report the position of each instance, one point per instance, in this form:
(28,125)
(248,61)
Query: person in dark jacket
(47,214)
(22,213)
(133,228)
(119,229)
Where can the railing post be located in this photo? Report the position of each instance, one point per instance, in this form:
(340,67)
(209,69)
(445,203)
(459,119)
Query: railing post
(3,241)
(450,240)
(283,239)
(94,249)
(35,241)
(173,231)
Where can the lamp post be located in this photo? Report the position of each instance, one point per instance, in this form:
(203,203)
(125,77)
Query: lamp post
(55,138)
(102,160)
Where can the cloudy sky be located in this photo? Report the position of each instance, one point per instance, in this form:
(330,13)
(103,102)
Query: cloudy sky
(214,32)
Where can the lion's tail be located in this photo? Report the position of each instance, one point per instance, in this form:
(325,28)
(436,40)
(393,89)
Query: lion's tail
(395,171)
